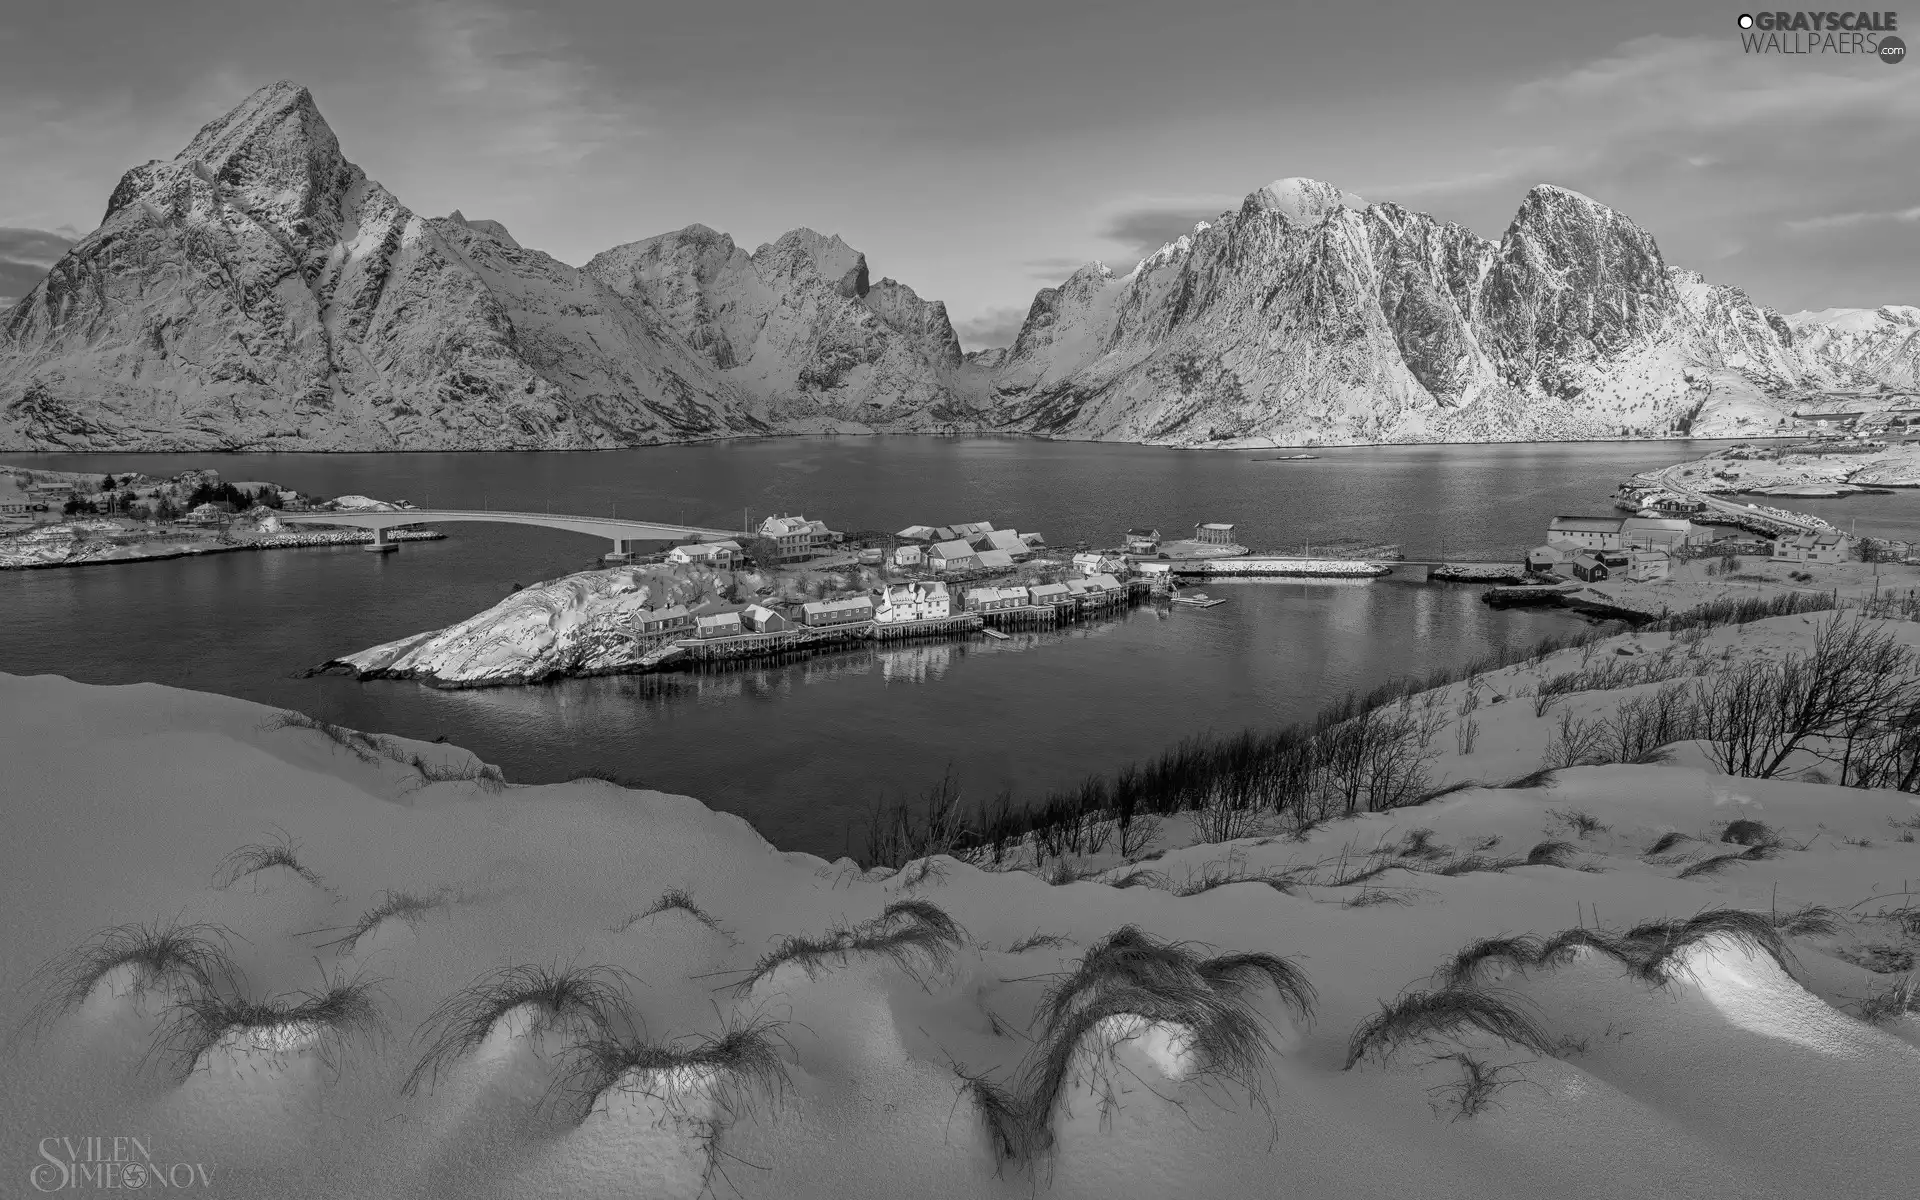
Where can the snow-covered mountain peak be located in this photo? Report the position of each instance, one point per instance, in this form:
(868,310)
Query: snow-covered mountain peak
(492,229)
(1301,201)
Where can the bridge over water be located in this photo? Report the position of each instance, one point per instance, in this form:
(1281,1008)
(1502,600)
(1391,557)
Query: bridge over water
(625,535)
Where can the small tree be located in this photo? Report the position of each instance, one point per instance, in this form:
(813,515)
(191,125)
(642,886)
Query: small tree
(762,553)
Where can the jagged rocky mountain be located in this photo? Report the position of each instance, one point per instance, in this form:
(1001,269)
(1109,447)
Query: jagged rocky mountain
(259,291)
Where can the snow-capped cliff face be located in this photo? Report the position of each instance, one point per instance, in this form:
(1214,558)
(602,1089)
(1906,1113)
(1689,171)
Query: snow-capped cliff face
(1309,317)
(798,324)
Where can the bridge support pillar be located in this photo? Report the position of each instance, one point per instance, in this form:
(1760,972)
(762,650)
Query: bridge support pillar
(622,550)
(381,544)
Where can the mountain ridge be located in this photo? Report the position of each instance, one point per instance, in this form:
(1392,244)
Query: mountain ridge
(260,291)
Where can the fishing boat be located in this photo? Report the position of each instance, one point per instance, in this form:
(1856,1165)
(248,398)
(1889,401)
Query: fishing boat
(1199,600)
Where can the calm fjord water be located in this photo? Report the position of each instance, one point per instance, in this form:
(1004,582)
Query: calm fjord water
(803,750)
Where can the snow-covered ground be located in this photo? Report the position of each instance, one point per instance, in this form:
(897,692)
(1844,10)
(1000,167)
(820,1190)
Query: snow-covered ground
(1734,1078)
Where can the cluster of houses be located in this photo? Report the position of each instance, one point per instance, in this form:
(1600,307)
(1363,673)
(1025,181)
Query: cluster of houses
(968,546)
(896,604)
(1591,549)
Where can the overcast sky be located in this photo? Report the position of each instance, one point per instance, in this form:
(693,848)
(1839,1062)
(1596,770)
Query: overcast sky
(978,151)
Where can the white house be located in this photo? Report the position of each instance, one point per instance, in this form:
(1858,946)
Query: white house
(908,556)
(913,602)
(955,555)
(1554,556)
(1588,533)
(1829,547)
(1143,540)
(718,555)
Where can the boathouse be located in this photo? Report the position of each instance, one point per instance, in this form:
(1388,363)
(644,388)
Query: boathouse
(663,621)
(994,599)
(758,618)
(1048,593)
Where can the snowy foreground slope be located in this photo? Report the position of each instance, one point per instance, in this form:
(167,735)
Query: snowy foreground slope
(260,291)
(1734,1079)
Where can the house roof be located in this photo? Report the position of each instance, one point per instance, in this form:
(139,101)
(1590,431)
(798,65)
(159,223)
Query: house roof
(1656,524)
(966,528)
(729,617)
(995,558)
(1221,525)
(1143,533)
(663,614)
(1004,539)
(1103,580)
(1650,556)
(1047,589)
(932,590)
(918,533)
(952,549)
(1587,560)
(1585,524)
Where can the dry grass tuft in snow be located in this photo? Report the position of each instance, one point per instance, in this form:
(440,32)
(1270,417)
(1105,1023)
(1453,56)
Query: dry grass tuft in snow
(323,1022)
(1131,982)
(1890,1003)
(581,1003)
(679,900)
(1479,1082)
(408,908)
(1003,1117)
(910,932)
(252,859)
(1421,1016)
(699,1086)
(166,957)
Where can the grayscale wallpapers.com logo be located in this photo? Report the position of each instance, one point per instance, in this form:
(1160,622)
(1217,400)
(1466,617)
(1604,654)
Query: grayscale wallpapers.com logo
(110,1164)
(1864,33)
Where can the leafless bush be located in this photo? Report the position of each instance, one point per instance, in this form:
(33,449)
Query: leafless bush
(1465,734)
(1576,742)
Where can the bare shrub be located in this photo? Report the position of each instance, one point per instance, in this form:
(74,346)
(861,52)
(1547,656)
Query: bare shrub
(1574,743)
(1466,734)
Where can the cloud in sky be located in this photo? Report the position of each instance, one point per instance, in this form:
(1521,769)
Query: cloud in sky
(1143,225)
(25,256)
(995,327)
